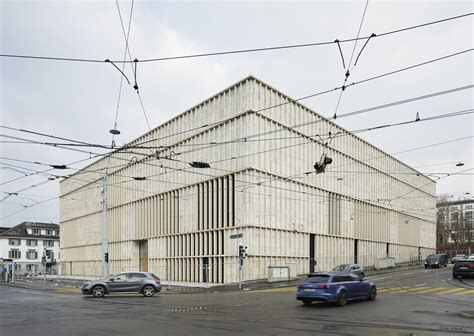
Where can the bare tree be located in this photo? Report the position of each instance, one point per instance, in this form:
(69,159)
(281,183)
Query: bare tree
(443,229)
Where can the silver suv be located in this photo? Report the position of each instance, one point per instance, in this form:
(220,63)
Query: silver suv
(135,282)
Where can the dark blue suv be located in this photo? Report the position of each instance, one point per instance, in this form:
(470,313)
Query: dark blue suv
(335,287)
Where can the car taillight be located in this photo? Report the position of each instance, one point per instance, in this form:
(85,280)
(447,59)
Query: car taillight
(456,265)
(324,286)
(471,266)
(157,280)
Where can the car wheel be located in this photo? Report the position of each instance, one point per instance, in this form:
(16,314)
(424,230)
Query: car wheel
(361,276)
(307,302)
(445,265)
(148,291)
(426,266)
(98,291)
(342,298)
(373,293)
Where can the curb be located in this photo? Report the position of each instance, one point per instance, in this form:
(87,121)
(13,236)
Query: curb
(467,314)
(224,288)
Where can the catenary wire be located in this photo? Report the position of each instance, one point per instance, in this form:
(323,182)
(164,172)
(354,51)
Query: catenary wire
(241,50)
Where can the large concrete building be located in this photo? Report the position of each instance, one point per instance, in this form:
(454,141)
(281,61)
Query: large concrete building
(170,217)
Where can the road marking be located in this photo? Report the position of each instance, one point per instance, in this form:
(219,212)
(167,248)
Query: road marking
(466,292)
(430,290)
(419,288)
(281,289)
(419,285)
(75,290)
(449,291)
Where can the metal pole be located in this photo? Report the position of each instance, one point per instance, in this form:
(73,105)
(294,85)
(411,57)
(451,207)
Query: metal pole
(44,269)
(241,264)
(105,231)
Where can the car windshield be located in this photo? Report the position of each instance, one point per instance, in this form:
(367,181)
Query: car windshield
(340,267)
(433,257)
(317,279)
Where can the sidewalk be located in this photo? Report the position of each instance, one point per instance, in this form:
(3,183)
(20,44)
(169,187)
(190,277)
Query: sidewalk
(69,284)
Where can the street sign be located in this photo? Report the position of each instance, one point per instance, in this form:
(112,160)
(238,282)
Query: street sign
(236,235)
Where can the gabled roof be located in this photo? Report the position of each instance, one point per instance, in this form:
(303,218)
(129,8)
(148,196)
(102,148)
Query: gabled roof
(3,229)
(20,230)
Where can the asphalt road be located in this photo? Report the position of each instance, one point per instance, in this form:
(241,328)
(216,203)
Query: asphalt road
(414,302)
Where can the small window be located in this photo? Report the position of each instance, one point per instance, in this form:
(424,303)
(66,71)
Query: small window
(31,242)
(49,232)
(31,254)
(49,243)
(14,242)
(36,231)
(468,206)
(14,254)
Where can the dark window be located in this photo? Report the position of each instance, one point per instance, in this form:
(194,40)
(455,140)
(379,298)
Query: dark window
(340,268)
(14,254)
(342,278)
(136,276)
(14,242)
(317,279)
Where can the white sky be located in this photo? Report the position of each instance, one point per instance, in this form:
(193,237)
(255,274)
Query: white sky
(78,100)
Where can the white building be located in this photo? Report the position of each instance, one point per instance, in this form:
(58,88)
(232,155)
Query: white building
(25,243)
(167,216)
(456,221)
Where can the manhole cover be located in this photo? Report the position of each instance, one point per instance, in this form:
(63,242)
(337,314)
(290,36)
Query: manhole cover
(187,309)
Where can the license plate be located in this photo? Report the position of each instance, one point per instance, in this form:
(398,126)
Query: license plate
(310,290)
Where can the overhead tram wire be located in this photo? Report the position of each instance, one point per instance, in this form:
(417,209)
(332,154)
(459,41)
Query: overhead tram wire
(136,61)
(114,131)
(289,101)
(215,176)
(347,133)
(281,104)
(256,153)
(349,69)
(348,114)
(304,45)
(436,117)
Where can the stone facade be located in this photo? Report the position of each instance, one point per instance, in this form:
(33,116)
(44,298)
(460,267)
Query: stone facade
(260,144)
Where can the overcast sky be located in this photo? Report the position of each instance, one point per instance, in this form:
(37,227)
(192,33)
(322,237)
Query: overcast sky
(78,100)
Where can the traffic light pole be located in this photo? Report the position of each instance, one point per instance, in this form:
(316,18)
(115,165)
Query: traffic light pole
(241,265)
(105,231)
(44,268)
(241,262)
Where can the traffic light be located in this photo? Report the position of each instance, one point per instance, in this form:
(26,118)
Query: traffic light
(320,166)
(106,257)
(242,251)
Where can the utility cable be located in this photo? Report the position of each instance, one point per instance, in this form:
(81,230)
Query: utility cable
(242,50)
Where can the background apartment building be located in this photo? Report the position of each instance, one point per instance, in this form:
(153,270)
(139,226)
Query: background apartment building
(25,244)
(169,215)
(455,227)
